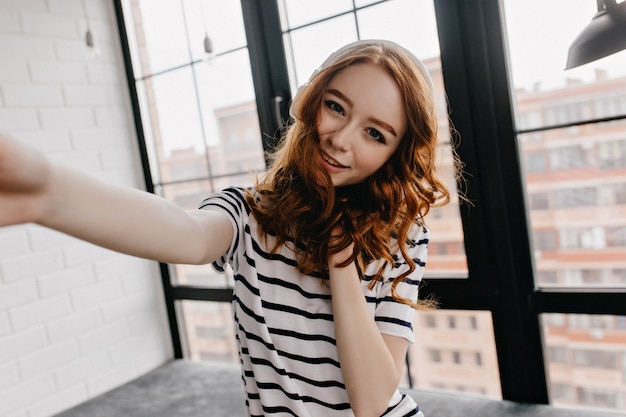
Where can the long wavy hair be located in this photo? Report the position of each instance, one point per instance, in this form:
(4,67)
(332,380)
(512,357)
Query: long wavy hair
(296,202)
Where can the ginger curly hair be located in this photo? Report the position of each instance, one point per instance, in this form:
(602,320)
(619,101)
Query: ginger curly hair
(297,203)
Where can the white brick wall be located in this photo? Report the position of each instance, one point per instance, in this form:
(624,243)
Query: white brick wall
(75,320)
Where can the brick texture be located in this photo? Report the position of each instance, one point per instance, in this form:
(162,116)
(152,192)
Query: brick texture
(75,320)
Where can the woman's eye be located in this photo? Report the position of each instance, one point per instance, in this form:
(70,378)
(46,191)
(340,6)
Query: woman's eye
(376,135)
(334,106)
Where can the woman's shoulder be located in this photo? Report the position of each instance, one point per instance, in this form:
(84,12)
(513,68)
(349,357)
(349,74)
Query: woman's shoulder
(418,234)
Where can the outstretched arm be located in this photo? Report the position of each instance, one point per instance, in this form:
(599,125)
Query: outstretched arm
(32,189)
(371,362)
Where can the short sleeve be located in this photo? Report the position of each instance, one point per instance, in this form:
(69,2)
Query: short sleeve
(232,202)
(392,316)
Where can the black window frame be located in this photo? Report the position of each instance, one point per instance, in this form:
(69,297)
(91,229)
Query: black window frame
(496,226)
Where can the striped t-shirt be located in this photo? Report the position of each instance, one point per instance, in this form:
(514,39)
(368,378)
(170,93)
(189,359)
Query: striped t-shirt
(285,331)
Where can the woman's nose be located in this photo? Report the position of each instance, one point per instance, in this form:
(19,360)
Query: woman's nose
(341,138)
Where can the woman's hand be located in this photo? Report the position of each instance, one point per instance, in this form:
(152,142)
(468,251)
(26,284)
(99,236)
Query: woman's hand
(335,238)
(365,354)
(24,182)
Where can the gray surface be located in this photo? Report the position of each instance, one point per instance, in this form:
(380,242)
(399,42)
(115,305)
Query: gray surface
(184,389)
(177,389)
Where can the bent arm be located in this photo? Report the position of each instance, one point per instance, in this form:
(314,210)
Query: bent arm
(122,219)
(371,362)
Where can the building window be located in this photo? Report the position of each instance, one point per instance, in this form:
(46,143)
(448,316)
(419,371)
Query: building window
(595,359)
(557,354)
(612,155)
(430,320)
(535,162)
(571,157)
(473,323)
(539,201)
(576,197)
(544,240)
(616,236)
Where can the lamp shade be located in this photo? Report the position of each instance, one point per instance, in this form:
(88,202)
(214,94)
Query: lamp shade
(603,36)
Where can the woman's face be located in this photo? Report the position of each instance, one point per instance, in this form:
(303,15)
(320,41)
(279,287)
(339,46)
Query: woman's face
(360,123)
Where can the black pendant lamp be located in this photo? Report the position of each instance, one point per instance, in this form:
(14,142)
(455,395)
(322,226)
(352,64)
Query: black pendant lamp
(603,36)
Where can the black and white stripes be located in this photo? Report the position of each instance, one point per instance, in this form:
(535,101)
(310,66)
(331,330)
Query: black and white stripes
(284,320)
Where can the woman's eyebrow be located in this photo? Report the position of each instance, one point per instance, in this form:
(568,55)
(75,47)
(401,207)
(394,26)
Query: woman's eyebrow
(340,95)
(384,125)
(379,122)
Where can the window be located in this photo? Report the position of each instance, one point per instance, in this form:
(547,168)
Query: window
(478,358)
(616,236)
(473,323)
(430,320)
(545,240)
(557,354)
(570,157)
(595,359)
(575,197)
(539,201)
(535,162)
(435,355)
(612,155)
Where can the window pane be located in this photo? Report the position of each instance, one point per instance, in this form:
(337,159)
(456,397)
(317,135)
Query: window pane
(229,115)
(310,46)
(546,93)
(410,23)
(575,177)
(455,350)
(221,20)
(172,118)
(577,204)
(157,36)
(209,331)
(586,360)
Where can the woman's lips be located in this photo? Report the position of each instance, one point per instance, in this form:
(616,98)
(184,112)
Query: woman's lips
(332,161)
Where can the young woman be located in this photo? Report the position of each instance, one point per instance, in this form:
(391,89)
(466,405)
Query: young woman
(328,249)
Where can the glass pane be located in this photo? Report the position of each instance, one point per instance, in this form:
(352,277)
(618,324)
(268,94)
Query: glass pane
(546,93)
(173,119)
(221,20)
(586,360)
(229,115)
(410,23)
(295,13)
(576,192)
(455,350)
(310,46)
(157,36)
(209,331)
